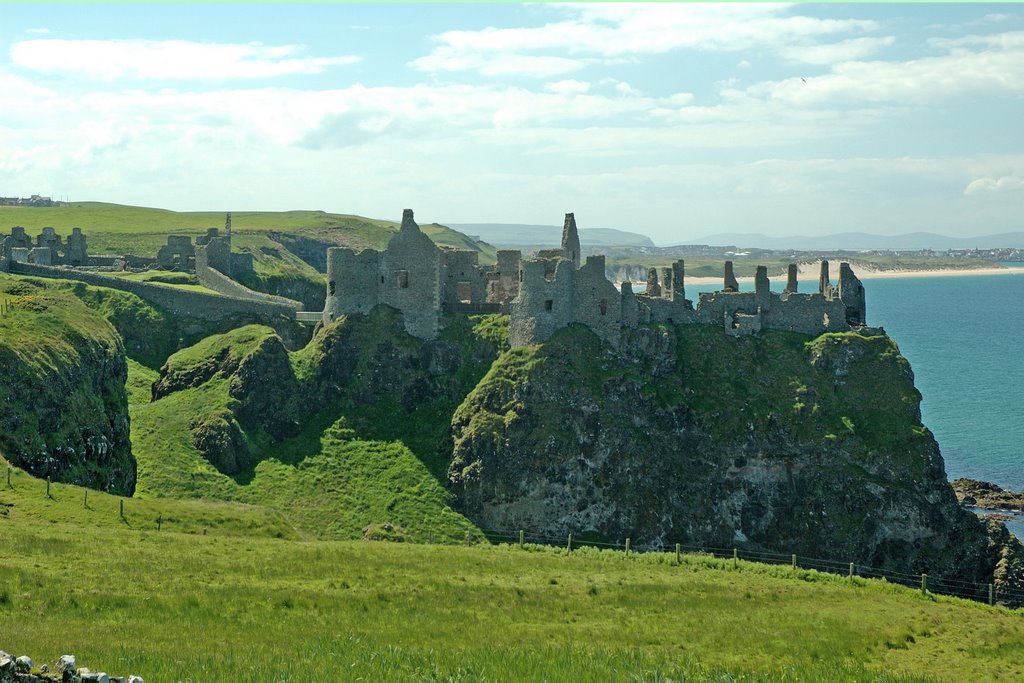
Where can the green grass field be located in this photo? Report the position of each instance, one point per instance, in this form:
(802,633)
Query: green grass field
(116,228)
(251,600)
(261,576)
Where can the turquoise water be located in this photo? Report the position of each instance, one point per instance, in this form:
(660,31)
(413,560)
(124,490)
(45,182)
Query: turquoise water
(964,338)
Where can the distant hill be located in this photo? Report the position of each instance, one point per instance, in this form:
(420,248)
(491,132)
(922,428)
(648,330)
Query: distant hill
(521,235)
(862,240)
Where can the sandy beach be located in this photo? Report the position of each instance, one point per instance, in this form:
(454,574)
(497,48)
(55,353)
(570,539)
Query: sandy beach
(808,272)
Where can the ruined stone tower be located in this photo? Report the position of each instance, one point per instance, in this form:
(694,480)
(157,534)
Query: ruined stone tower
(571,240)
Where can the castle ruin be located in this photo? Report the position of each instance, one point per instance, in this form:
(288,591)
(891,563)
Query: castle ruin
(550,292)
(424,281)
(49,248)
(419,279)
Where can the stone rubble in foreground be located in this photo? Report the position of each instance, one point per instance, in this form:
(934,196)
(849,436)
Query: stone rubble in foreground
(22,670)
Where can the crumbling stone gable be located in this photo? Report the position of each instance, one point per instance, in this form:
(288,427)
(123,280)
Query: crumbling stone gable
(405,276)
(571,240)
(177,254)
(596,302)
(462,278)
(412,278)
(76,253)
(851,291)
(544,305)
(215,253)
(503,283)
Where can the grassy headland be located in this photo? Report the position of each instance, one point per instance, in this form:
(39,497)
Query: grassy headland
(260,604)
(288,247)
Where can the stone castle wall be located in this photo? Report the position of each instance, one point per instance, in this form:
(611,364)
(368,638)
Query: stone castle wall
(178,301)
(222,284)
(412,275)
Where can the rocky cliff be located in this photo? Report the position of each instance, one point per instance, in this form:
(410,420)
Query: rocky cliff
(62,375)
(773,441)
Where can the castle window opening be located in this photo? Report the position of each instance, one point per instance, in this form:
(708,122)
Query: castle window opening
(382,279)
(464,292)
(330,288)
(548,305)
(603,306)
(403,279)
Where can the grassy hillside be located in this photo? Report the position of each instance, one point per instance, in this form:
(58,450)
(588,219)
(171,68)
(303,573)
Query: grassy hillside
(62,401)
(116,228)
(321,442)
(288,247)
(263,608)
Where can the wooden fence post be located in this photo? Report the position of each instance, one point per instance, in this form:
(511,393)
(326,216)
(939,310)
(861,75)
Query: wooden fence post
(991,594)
(521,538)
(924,584)
(569,546)
(735,558)
(792,563)
(122,508)
(86,504)
(679,554)
(47,486)
(9,476)
(851,570)
(627,547)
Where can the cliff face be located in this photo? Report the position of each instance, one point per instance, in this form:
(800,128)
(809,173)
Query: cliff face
(764,442)
(64,409)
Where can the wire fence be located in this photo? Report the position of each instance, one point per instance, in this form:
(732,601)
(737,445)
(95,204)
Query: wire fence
(981,592)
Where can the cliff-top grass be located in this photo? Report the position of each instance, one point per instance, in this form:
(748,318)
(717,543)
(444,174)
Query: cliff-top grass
(118,228)
(238,604)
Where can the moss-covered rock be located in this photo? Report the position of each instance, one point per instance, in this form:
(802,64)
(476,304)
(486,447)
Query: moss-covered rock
(62,390)
(691,436)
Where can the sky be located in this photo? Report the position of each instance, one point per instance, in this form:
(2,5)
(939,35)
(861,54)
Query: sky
(673,120)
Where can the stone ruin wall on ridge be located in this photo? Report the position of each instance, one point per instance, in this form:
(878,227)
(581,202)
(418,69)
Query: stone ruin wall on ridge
(545,294)
(418,278)
(423,281)
(211,258)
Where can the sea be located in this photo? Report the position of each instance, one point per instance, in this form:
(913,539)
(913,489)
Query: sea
(964,338)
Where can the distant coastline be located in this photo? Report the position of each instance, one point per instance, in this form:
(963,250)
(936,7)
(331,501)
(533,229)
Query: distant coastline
(809,273)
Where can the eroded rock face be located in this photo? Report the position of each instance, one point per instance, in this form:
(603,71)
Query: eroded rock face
(768,442)
(63,406)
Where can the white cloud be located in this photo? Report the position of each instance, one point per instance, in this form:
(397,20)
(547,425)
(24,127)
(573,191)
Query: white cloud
(1005,41)
(843,51)
(568,87)
(988,185)
(37,30)
(168,59)
(996,71)
(605,32)
(448,59)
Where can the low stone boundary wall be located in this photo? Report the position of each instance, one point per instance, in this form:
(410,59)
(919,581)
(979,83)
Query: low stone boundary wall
(178,301)
(219,282)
